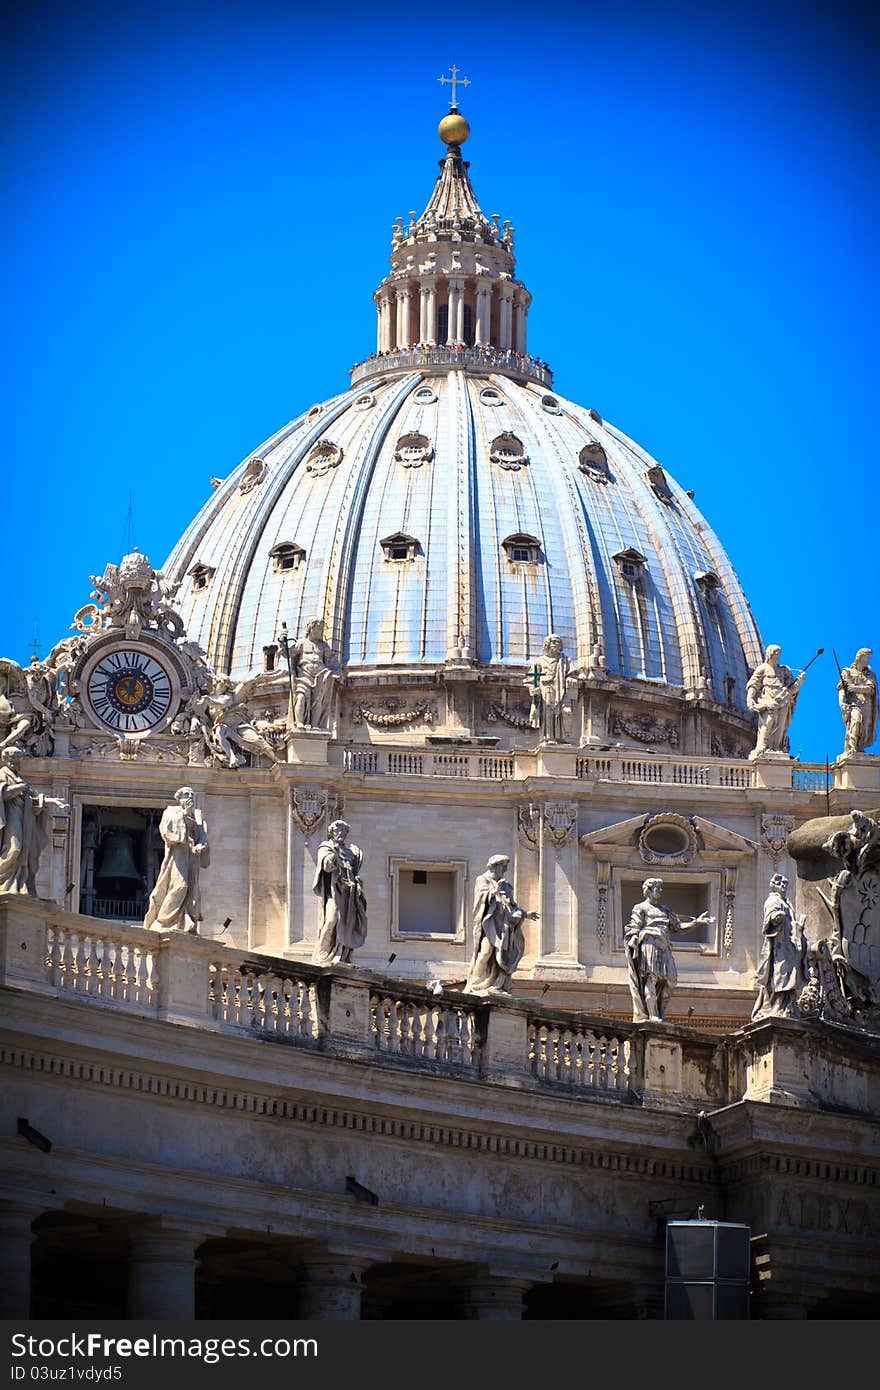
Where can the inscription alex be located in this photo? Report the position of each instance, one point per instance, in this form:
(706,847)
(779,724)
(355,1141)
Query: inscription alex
(808,1211)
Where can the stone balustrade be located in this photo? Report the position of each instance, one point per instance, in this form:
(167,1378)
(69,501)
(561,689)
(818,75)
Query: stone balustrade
(488,359)
(561,760)
(348,1012)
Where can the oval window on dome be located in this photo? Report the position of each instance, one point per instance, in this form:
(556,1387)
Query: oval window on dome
(551,405)
(315,410)
(413,450)
(365,402)
(425,395)
(508,451)
(489,396)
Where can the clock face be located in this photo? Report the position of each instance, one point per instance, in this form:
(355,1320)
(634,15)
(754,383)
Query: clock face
(129,691)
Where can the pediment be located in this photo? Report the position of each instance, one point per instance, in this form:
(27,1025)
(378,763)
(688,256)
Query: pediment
(697,834)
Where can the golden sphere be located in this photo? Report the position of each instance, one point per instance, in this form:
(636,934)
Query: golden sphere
(453,129)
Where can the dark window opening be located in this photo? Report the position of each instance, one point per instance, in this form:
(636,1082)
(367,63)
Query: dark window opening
(420,876)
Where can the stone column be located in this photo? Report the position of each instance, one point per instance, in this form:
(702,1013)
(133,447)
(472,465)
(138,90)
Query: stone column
(484,309)
(385,324)
(379,326)
(456,311)
(496,1297)
(16,1238)
(332,1287)
(403,301)
(521,309)
(161,1274)
(505,296)
(431,313)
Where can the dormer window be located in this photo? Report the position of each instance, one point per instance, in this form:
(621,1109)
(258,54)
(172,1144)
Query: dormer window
(286,556)
(253,475)
(413,450)
(425,395)
(270,656)
(631,565)
(522,549)
(315,410)
(551,405)
(324,456)
(200,575)
(708,583)
(659,485)
(593,461)
(508,451)
(400,547)
(365,402)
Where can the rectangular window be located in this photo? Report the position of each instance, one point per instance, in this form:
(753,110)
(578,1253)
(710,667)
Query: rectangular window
(427,900)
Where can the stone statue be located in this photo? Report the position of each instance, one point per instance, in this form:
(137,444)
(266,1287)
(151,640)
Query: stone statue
(175,902)
(782,970)
(854,904)
(771,693)
(314,672)
(231,724)
(857,693)
(652,972)
(343,902)
(499,943)
(548,681)
(17,716)
(23,833)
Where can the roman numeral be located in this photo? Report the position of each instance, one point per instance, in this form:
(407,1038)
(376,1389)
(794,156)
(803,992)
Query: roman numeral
(157,708)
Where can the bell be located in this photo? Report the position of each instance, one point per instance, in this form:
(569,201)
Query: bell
(117,856)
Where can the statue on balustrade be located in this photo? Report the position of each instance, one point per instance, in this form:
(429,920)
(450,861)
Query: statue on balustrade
(854,904)
(782,968)
(28,706)
(175,902)
(231,723)
(23,831)
(651,964)
(548,682)
(771,693)
(343,926)
(314,673)
(857,694)
(499,942)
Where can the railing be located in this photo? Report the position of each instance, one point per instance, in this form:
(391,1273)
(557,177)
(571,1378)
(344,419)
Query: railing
(810,779)
(580,1057)
(283,1002)
(375,760)
(487,357)
(119,909)
(665,771)
(102,966)
(404,1024)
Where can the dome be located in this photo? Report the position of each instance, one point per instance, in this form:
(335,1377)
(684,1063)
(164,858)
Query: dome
(450,508)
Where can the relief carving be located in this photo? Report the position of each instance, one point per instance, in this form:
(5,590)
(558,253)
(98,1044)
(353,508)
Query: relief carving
(646,728)
(392,716)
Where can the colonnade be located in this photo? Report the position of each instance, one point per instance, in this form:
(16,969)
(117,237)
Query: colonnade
(408,314)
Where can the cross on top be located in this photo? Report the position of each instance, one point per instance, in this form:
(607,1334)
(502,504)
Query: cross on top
(454,81)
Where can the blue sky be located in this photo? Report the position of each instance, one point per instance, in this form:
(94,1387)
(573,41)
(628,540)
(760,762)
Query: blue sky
(198,207)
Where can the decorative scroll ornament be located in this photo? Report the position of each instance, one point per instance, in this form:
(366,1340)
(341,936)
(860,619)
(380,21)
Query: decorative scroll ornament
(253,475)
(508,452)
(560,819)
(775,830)
(667,838)
(392,716)
(413,450)
(646,728)
(603,882)
(324,456)
(132,595)
(528,820)
(728,889)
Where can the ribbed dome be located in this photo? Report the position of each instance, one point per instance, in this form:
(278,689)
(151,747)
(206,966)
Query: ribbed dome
(506,513)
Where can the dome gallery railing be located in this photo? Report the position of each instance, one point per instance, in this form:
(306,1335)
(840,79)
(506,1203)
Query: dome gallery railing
(488,359)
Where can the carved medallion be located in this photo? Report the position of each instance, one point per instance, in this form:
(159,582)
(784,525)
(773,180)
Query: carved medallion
(528,819)
(253,475)
(560,819)
(307,806)
(775,830)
